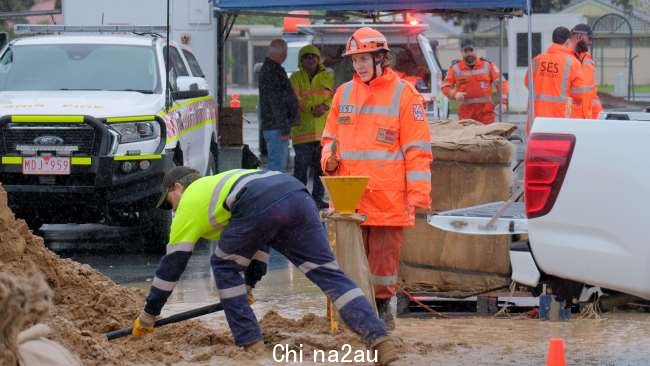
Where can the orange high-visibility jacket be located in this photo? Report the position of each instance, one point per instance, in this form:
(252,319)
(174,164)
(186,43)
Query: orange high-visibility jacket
(559,84)
(380,130)
(413,79)
(477,82)
(589,72)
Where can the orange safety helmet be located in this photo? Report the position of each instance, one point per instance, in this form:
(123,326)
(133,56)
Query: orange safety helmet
(365,40)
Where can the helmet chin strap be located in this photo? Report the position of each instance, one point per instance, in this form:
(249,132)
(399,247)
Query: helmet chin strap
(375,63)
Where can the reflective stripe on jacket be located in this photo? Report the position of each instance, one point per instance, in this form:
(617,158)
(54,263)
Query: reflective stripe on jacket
(311,92)
(559,84)
(589,73)
(380,130)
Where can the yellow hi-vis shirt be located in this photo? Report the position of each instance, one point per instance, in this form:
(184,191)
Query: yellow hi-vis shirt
(200,212)
(311,92)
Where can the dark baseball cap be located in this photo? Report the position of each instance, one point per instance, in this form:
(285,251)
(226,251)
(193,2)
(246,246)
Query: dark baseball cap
(466,43)
(170,178)
(582,28)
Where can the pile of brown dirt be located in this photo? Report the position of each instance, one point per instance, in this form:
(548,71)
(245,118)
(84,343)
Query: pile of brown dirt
(88,304)
(312,332)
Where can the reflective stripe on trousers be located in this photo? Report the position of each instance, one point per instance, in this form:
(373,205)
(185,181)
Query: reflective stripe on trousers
(477,100)
(383,280)
(383,247)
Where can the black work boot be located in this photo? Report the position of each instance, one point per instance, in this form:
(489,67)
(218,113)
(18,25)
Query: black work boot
(385,314)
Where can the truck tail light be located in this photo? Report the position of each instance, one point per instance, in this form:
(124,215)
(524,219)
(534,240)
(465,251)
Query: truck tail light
(547,159)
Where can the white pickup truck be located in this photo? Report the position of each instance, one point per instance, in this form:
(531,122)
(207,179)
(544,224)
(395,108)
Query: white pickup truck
(90,122)
(586,200)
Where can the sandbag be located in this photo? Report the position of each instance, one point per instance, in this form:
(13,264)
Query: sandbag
(34,349)
(471,166)
(471,141)
(350,252)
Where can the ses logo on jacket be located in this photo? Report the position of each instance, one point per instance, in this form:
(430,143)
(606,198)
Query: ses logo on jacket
(346,108)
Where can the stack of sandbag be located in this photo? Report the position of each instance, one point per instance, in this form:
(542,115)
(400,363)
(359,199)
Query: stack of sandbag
(472,165)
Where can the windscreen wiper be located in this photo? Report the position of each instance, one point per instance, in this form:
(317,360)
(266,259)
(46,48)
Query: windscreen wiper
(136,90)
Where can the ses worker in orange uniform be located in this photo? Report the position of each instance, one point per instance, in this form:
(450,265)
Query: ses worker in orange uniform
(471,82)
(582,36)
(560,87)
(377,127)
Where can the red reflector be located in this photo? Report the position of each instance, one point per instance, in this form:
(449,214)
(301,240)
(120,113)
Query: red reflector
(536,198)
(547,159)
(545,149)
(541,172)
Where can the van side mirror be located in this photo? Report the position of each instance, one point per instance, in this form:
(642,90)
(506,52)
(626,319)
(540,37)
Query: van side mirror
(189,87)
(188,83)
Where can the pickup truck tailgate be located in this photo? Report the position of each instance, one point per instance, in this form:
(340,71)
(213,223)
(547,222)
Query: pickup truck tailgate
(497,218)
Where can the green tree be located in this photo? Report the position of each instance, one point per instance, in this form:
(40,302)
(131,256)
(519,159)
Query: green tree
(629,5)
(259,20)
(14,5)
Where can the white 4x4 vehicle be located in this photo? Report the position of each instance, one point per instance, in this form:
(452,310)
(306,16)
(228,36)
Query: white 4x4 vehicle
(88,126)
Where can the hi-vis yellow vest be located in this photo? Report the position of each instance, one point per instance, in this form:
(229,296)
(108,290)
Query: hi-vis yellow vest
(310,93)
(201,212)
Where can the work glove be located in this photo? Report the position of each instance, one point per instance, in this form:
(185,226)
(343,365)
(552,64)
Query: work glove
(254,272)
(143,324)
(249,295)
(333,161)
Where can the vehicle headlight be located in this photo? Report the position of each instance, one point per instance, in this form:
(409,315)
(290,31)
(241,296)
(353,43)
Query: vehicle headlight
(136,131)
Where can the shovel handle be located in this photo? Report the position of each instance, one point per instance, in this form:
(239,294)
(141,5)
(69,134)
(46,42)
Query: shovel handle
(208,309)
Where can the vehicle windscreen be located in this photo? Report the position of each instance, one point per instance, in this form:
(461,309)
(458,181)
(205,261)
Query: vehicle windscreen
(291,63)
(79,67)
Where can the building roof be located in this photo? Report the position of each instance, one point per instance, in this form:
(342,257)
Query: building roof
(639,17)
(593,9)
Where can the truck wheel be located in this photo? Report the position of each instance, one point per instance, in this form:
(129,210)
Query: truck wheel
(211,169)
(33,219)
(154,228)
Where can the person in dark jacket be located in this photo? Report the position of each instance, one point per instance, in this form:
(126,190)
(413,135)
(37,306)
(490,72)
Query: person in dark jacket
(278,106)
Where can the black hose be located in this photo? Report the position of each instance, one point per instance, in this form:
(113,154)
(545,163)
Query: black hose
(208,309)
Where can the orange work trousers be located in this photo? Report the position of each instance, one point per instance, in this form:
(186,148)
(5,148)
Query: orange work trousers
(382,245)
(482,112)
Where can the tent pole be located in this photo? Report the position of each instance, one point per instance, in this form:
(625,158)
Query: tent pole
(221,29)
(531,86)
(500,68)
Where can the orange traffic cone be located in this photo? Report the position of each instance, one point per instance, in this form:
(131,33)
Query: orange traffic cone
(556,353)
(234,101)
